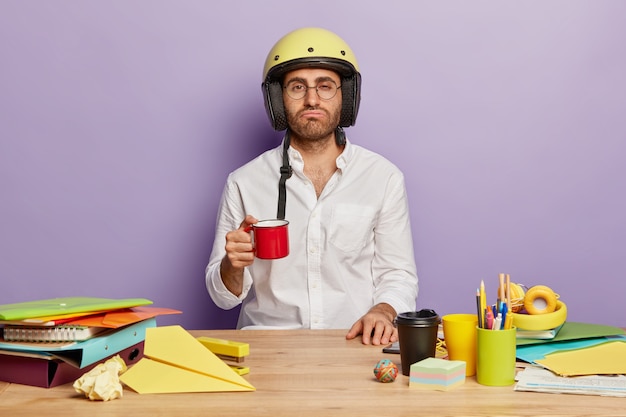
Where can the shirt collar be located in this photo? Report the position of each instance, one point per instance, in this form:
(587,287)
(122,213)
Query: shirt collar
(346,156)
(342,160)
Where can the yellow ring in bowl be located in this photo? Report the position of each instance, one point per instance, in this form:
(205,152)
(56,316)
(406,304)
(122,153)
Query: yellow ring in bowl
(545,321)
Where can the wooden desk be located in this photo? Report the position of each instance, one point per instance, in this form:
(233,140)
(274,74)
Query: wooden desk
(309,373)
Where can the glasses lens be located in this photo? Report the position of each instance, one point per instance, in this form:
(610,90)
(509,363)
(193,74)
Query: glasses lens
(325,89)
(296,90)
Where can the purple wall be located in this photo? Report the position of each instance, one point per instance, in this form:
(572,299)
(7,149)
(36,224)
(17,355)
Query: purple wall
(119,122)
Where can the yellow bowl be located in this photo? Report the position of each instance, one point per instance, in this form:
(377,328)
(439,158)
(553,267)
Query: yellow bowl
(545,321)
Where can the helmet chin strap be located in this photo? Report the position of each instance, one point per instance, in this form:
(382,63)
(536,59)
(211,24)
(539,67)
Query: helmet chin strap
(340,136)
(285,174)
(286,171)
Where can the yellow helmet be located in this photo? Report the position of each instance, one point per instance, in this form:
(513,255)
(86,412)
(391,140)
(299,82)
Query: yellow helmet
(311,48)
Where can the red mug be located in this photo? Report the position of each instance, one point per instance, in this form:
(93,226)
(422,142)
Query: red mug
(271,238)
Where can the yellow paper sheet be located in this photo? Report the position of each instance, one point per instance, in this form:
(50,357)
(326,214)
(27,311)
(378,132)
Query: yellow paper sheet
(175,361)
(604,359)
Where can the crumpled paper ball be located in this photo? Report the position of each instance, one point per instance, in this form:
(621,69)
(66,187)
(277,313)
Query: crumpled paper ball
(102,383)
(386,371)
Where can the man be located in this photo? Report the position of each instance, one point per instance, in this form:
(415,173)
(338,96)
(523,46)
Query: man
(351,259)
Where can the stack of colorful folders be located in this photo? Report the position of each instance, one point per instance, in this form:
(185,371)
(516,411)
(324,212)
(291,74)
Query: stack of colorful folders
(583,358)
(46,343)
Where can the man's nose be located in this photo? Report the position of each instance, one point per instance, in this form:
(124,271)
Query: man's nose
(311,96)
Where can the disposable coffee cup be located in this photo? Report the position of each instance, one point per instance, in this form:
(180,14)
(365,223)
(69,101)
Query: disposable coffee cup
(270,238)
(417,334)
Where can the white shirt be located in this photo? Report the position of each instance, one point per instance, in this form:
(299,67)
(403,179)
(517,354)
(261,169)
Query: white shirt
(350,249)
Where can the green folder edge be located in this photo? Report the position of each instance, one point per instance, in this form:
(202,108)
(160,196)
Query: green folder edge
(66,305)
(575,331)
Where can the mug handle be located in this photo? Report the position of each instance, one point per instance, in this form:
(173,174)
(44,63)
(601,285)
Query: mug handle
(250,230)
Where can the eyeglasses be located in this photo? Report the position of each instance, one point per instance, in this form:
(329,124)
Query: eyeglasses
(326,89)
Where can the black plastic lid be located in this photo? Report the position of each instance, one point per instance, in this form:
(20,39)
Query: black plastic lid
(424,317)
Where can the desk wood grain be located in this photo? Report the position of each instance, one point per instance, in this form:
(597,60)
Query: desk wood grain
(309,373)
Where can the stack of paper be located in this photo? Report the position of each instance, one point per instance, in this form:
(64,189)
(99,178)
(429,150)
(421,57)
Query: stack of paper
(541,380)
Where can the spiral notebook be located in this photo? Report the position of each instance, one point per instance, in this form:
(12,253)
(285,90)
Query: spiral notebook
(50,334)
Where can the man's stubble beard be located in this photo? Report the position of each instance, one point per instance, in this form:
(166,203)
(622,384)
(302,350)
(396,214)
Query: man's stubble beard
(312,130)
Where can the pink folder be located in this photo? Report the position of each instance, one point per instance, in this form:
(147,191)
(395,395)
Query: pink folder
(48,373)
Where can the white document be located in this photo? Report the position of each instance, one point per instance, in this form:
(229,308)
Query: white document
(542,380)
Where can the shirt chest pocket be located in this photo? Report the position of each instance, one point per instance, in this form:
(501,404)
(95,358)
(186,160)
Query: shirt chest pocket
(351,227)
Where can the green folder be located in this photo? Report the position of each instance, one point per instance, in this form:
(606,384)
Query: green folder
(576,331)
(65,305)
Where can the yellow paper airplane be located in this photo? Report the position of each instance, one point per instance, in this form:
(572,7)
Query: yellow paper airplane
(175,361)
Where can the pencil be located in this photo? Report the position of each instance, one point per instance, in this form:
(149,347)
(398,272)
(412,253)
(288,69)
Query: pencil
(478,304)
(508,291)
(500,298)
(483,302)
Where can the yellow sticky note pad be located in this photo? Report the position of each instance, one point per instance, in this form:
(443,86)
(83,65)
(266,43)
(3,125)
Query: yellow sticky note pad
(225,347)
(174,361)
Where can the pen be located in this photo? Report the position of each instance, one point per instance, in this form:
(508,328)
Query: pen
(508,291)
(508,324)
(497,323)
(501,294)
(489,318)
